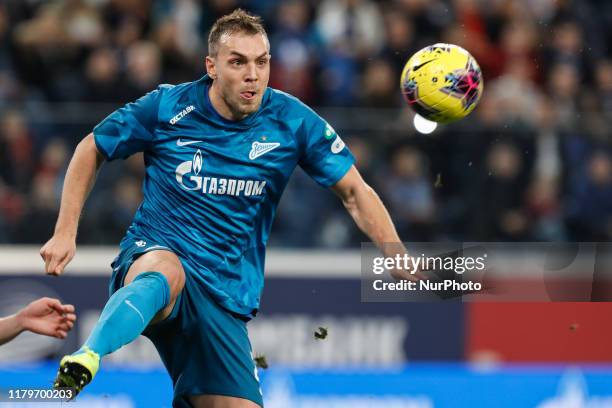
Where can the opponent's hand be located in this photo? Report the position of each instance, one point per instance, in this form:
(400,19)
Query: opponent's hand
(57,253)
(47,316)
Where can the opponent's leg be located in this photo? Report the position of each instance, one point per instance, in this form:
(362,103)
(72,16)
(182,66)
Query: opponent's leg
(150,289)
(220,401)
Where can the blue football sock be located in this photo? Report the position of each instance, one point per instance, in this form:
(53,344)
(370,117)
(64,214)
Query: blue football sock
(128,312)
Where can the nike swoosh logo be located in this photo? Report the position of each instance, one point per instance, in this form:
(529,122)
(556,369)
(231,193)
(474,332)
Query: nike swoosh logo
(421,65)
(179,142)
(127,302)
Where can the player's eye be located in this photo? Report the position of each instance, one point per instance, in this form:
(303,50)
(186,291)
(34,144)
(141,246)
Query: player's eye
(262,62)
(236,62)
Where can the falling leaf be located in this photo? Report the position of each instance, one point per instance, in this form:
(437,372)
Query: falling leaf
(321,333)
(260,361)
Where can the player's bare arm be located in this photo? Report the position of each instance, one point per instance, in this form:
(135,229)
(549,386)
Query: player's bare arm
(371,216)
(80,178)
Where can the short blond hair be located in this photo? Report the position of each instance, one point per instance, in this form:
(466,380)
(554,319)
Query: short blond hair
(239,21)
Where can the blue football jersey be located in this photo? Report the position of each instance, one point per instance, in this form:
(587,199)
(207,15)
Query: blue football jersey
(212,185)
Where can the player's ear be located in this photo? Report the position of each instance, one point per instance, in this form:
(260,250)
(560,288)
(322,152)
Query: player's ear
(210,67)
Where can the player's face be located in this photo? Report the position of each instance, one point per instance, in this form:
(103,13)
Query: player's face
(241,71)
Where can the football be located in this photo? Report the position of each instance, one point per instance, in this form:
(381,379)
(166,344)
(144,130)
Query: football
(442,82)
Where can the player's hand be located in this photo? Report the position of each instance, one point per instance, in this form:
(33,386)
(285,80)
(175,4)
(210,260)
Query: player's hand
(47,316)
(57,253)
(404,274)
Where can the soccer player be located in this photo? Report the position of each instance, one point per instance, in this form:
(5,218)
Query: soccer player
(45,316)
(218,153)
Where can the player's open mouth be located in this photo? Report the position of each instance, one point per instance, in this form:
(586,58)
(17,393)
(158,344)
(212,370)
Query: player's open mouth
(248,94)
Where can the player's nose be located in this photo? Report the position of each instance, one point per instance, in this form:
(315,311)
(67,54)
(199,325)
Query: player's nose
(251,74)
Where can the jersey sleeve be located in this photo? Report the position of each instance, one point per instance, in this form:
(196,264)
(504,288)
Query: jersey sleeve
(324,157)
(129,129)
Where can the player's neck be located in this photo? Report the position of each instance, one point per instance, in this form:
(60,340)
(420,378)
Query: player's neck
(220,106)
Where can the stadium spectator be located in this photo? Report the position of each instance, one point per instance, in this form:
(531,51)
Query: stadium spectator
(544,212)
(379,85)
(102,77)
(563,85)
(354,26)
(143,63)
(294,46)
(591,212)
(399,37)
(497,210)
(539,59)
(16,151)
(39,212)
(603,80)
(409,195)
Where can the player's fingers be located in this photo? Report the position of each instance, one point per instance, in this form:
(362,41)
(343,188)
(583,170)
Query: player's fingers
(44,251)
(419,275)
(63,263)
(414,277)
(54,265)
(61,334)
(70,317)
(68,308)
(48,258)
(66,326)
(54,304)
(59,268)
(63,322)
(51,264)
(401,274)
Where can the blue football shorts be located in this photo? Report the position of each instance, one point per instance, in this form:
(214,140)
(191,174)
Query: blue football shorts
(205,348)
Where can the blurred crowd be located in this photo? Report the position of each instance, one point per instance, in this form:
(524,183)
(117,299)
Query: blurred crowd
(533,162)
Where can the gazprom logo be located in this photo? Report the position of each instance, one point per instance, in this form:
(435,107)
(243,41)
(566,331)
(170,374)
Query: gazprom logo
(188,176)
(194,167)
